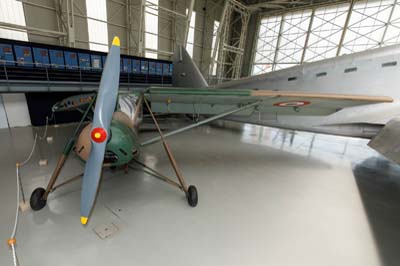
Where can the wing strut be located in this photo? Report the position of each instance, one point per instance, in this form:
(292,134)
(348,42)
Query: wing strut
(191,191)
(208,120)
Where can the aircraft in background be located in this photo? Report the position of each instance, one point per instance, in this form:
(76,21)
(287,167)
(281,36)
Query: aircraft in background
(353,95)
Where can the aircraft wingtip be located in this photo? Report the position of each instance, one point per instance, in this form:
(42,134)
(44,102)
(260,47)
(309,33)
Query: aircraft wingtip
(116,41)
(84,220)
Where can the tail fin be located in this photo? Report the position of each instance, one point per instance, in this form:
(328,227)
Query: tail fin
(185,72)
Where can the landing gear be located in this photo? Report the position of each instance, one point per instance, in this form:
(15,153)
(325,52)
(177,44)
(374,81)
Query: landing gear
(37,200)
(191,191)
(192,196)
(39,195)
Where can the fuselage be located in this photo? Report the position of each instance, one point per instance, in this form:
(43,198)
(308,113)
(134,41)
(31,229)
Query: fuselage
(122,145)
(374,72)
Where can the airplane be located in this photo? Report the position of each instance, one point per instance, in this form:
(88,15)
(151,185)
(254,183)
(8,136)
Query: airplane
(351,95)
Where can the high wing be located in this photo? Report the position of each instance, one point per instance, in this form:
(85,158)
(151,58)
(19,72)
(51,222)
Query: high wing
(215,101)
(222,103)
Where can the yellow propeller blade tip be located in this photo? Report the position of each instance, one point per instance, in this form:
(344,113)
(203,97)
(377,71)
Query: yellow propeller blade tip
(84,220)
(116,41)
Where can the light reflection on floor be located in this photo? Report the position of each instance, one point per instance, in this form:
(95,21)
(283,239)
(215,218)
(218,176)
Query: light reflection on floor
(319,146)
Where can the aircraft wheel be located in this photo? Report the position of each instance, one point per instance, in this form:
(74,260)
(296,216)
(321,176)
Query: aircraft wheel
(37,201)
(192,196)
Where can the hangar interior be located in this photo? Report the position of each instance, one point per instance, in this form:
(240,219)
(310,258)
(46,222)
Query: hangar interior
(266,195)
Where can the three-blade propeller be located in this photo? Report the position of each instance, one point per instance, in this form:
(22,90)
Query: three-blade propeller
(100,132)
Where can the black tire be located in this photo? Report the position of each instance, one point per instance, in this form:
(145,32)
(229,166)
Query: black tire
(192,196)
(37,201)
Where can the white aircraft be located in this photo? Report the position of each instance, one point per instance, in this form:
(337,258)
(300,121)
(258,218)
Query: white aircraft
(353,95)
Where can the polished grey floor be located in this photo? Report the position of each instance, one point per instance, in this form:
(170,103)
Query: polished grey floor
(267,197)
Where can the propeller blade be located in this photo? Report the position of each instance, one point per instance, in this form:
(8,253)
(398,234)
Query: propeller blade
(100,132)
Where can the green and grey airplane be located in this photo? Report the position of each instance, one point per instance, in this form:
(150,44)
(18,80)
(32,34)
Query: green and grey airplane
(352,95)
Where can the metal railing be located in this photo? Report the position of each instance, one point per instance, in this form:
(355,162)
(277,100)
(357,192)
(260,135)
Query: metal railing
(17,72)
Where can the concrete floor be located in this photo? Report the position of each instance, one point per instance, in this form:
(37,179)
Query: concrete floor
(266,197)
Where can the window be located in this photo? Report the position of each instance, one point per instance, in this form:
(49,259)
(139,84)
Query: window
(389,64)
(366,26)
(214,39)
(294,38)
(292,35)
(326,30)
(266,44)
(151,28)
(97,25)
(12,11)
(351,69)
(392,34)
(190,39)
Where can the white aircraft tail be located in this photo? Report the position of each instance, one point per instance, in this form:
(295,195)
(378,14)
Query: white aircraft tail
(185,72)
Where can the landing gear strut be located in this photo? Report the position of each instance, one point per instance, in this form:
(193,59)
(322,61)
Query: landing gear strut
(191,191)
(39,195)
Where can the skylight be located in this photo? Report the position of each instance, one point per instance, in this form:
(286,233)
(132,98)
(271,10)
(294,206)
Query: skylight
(12,11)
(190,39)
(214,39)
(97,24)
(151,28)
